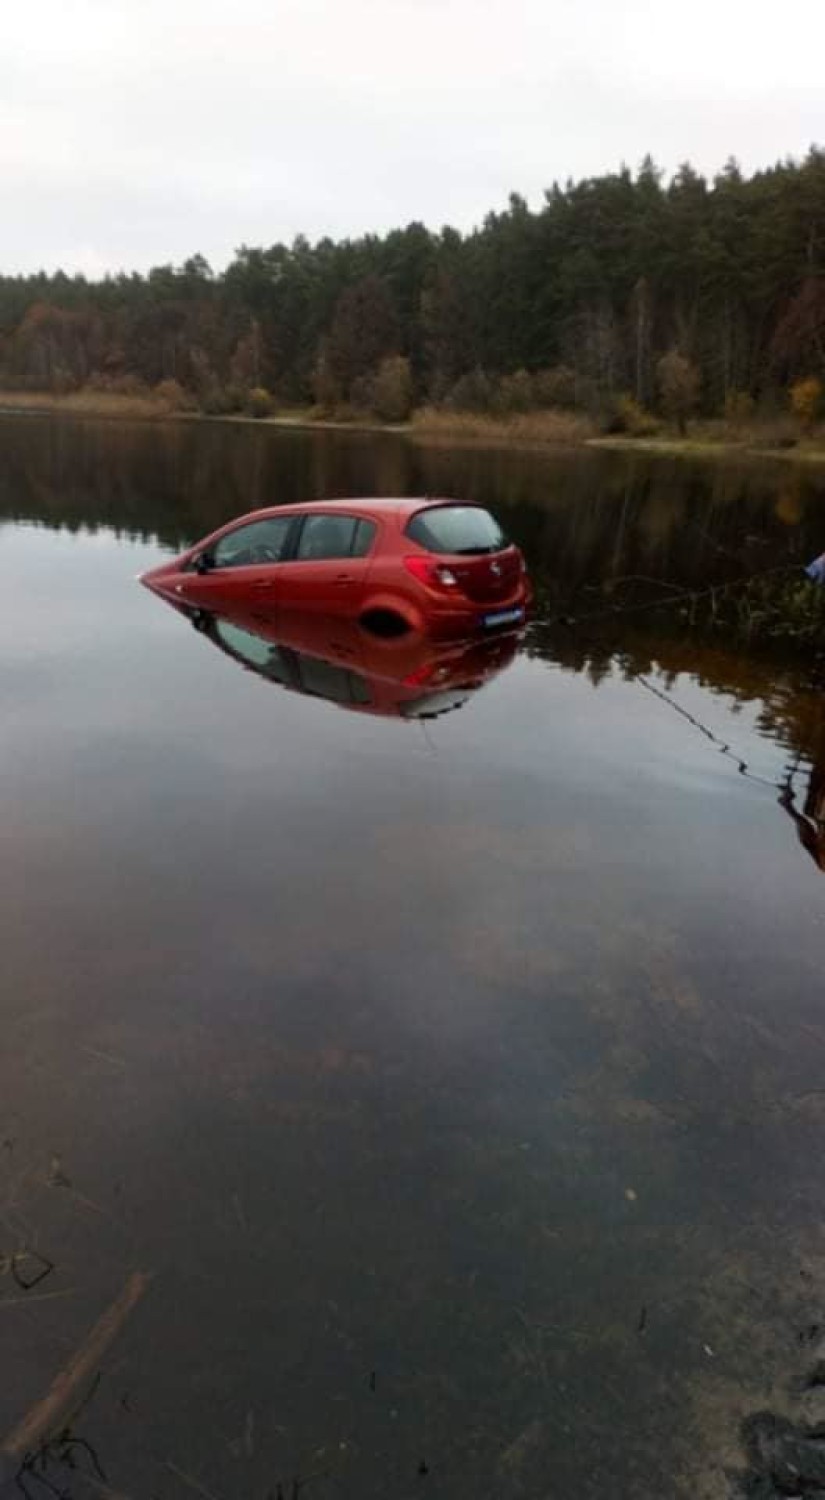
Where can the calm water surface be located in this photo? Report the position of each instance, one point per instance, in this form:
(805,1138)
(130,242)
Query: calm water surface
(460,1081)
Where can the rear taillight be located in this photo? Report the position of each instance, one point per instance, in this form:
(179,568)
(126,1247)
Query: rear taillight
(433,575)
(417,679)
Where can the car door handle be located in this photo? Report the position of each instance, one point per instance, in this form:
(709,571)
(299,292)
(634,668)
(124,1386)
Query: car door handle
(262,583)
(343,578)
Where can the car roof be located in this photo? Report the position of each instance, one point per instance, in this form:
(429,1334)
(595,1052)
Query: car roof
(405,505)
(401,505)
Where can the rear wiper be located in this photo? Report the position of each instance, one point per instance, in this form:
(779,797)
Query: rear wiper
(475,551)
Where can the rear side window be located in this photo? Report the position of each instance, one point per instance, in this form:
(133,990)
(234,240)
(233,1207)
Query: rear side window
(457,529)
(325,679)
(334,536)
(364,538)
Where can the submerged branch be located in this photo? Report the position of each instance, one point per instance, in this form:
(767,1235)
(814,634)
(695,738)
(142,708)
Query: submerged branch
(45,1416)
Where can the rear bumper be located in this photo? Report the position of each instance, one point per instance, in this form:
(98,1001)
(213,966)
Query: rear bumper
(471,619)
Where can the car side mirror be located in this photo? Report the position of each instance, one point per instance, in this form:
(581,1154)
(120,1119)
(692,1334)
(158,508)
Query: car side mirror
(205,563)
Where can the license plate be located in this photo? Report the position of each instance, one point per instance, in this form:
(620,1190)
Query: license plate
(503,617)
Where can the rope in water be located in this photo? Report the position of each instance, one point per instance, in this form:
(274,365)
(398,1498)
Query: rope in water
(677,596)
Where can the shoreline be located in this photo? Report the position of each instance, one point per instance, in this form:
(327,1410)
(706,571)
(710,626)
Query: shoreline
(519,435)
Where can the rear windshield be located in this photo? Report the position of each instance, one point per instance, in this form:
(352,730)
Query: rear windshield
(457,529)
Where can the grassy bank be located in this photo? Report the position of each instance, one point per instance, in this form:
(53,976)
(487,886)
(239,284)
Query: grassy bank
(537,429)
(85,403)
(716,440)
(524,430)
(91,403)
(766,439)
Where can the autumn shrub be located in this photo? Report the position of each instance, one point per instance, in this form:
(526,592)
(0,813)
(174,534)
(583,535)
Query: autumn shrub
(806,401)
(360,394)
(63,381)
(234,395)
(326,387)
(550,427)
(678,381)
(218,401)
(116,385)
(555,386)
(258,402)
(739,408)
(128,385)
(170,393)
(391,390)
(513,394)
(628,416)
(473,392)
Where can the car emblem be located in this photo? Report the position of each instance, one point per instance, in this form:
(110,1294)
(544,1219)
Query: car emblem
(495,568)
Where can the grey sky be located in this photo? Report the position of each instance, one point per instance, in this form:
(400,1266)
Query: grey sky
(135,132)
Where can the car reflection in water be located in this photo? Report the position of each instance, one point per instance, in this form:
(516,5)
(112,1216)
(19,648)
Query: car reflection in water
(326,656)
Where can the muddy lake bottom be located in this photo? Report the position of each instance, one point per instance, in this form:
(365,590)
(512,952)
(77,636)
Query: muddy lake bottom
(460,1081)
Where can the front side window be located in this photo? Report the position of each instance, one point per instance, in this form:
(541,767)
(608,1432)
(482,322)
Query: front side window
(457,529)
(259,542)
(331,536)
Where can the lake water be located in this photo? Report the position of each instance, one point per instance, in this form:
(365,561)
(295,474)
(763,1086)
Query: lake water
(460,1080)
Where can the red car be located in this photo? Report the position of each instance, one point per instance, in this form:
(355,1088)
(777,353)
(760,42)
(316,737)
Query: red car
(443,567)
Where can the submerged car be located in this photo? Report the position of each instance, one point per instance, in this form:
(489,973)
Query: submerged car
(335,659)
(442,567)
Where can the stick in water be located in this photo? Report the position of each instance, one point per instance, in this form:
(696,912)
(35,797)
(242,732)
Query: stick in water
(44,1418)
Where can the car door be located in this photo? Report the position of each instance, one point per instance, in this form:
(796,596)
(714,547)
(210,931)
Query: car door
(331,563)
(244,564)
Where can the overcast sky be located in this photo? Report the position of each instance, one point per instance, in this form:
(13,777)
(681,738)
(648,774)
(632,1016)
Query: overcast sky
(136,132)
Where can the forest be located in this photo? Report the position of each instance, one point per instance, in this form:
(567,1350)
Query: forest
(621,296)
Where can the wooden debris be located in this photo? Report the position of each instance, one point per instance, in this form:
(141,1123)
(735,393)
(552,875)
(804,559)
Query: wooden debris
(44,1419)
